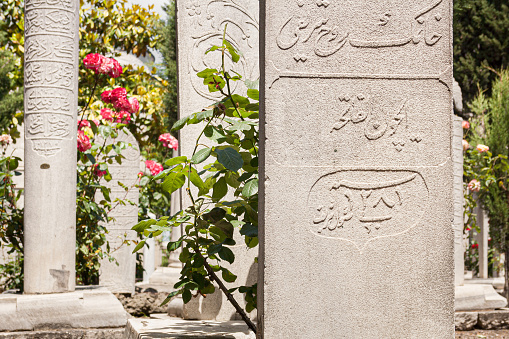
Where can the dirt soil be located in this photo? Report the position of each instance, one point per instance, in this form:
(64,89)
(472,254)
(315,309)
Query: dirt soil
(481,334)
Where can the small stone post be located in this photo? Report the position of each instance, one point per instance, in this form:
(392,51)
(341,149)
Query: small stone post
(51,99)
(482,240)
(356,174)
(120,276)
(459,250)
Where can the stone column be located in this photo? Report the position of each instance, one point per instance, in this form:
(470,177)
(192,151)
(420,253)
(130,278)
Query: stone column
(51,93)
(120,276)
(356,191)
(482,240)
(176,232)
(457,158)
(200,25)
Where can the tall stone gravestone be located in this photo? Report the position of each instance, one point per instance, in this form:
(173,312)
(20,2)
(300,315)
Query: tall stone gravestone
(200,26)
(459,250)
(356,199)
(51,100)
(119,276)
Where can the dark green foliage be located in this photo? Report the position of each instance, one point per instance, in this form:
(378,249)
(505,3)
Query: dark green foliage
(168,47)
(481,42)
(11,99)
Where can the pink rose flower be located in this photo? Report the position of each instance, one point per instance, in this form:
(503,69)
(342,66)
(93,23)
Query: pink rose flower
(98,172)
(482,148)
(93,61)
(106,97)
(96,122)
(116,70)
(5,139)
(169,141)
(119,98)
(83,123)
(466,145)
(106,66)
(83,142)
(134,105)
(465,124)
(123,117)
(474,185)
(107,114)
(154,167)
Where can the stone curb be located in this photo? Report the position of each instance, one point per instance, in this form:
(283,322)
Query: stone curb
(486,320)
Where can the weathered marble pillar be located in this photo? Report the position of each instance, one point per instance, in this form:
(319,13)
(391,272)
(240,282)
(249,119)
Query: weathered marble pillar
(176,232)
(457,158)
(356,193)
(120,276)
(200,25)
(51,93)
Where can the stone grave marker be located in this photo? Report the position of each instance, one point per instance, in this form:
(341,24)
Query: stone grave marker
(121,278)
(51,103)
(200,26)
(356,192)
(457,157)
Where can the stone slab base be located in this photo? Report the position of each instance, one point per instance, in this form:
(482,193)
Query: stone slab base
(470,297)
(106,333)
(176,328)
(486,320)
(85,308)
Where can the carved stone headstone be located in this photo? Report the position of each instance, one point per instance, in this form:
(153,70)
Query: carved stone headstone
(121,278)
(457,158)
(200,26)
(356,199)
(51,99)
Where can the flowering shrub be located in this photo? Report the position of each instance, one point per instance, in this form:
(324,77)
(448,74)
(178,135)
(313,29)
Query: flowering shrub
(153,167)
(96,128)
(169,141)
(213,217)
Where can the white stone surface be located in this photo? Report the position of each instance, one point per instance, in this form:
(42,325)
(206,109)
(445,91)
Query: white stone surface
(86,308)
(51,99)
(356,191)
(121,278)
(149,259)
(168,327)
(457,158)
(200,26)
(471,297)
(482,239)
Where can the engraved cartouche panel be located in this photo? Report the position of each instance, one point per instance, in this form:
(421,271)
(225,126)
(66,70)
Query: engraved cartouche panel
(205,21)
(50,48)
(370,36)
(61,4)
(360,206)
(44,21)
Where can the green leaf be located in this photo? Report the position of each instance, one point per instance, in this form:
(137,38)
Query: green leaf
(207,72)
(178,125)
(143,225)
(173,245)
(249,230)
(139,246)
(13,164)
(252,84)
(186,296)
(173,182)
(251,188)
(175,161)
(253,94)
(226,227)
(227,275)
(230,158)
(219,189)
(201,155)
(215,215)
(196,180)
(226,254)
(169,297)
(233,52)
(251,241)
